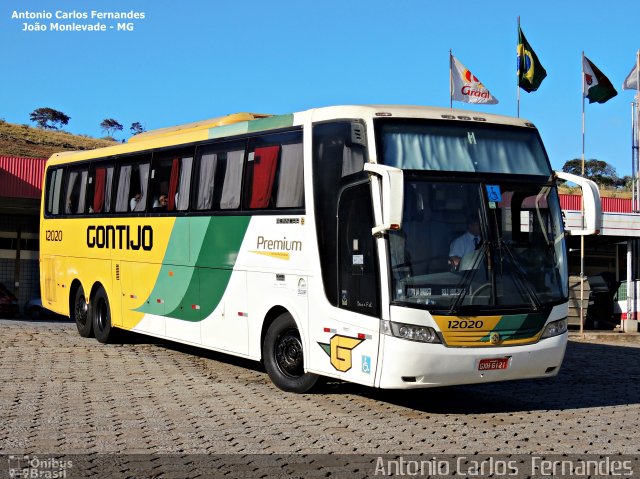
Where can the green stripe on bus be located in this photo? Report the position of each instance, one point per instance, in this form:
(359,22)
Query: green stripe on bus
(216,243)
(518,326)
(270,123)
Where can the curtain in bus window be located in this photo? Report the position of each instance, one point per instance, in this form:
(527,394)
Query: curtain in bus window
(455,153)
(98,192)
(208,164)
(108,189)
(290,183)
(68,207)
(182,197)
(144,176)
(82,197)
(230,199)
(265,161)
(173,184)
(352,160)
(122,196)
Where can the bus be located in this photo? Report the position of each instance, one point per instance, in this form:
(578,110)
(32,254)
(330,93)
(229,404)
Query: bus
(321,243)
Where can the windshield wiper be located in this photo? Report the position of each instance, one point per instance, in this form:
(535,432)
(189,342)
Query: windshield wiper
(468,276)
(520,277)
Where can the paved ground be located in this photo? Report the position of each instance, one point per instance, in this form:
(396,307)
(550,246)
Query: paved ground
(64,394)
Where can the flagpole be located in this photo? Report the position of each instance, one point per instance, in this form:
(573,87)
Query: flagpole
(517,74)
(582,214)
(450,79)
(637,140)
(634,196)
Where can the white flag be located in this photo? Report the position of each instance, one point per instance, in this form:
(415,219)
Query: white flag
(466,87)
(631,82)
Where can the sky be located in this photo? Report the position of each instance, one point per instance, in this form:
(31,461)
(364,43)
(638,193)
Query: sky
(191,60)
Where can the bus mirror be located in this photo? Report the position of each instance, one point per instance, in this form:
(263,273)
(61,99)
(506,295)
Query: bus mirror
(591,201)
(392,194)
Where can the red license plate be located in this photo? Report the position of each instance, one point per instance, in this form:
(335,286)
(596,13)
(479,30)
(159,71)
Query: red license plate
(493,363)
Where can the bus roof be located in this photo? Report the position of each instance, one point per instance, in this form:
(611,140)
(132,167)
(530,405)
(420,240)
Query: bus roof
(241,123)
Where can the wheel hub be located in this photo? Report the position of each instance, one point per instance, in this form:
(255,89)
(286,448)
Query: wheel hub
(289,355)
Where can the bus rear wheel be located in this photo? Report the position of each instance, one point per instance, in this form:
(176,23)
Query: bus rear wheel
(81,314)
(101,315)
(284,356)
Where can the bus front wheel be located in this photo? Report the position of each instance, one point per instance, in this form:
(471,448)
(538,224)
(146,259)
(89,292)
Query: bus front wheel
(101,313)
(283,356)
(81,314)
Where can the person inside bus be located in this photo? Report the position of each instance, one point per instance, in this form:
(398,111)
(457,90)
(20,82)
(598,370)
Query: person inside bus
(160,204)
(466,243)
(134,201)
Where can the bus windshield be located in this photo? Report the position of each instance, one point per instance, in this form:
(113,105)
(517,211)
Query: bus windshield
(461,146)
(478,245)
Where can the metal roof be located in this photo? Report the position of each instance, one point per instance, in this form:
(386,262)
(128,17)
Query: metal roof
(21,177)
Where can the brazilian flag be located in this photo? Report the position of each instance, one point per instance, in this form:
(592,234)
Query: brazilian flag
(530,71)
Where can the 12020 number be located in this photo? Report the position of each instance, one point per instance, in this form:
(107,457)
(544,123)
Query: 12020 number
(466,324)
(54,235)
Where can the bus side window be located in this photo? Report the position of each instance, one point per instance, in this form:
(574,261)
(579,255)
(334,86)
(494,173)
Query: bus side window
(170,180)
(219,177)
(132,187)
(99,188)
(275,172)
(76,191)
(54,188)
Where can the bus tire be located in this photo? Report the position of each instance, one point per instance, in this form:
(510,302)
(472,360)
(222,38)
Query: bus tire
(283,356)
(101,313)
(81,314)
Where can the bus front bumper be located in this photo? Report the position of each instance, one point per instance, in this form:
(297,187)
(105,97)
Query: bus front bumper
(410,364)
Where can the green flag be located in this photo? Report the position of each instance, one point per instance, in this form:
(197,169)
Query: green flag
(597,87)
(530,71)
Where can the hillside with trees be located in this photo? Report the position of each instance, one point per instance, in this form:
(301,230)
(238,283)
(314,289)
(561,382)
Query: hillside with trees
(23,140)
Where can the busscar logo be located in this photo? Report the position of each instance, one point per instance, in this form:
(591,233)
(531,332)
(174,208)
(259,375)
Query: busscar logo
(120,237)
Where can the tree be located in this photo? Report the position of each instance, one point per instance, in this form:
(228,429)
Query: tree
(597,170)
(48,118)
(110,126)
(137,128)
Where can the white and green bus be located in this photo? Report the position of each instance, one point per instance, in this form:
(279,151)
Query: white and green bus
(323,243)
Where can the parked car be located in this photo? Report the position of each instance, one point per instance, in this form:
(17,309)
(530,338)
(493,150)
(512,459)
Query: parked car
(33,309)
(8,303)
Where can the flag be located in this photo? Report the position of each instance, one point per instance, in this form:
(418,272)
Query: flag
(530,71)
(467,87)
(597,87)
(631,82)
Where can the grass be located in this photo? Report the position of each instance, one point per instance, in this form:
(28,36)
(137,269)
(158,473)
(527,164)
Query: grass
(23,140)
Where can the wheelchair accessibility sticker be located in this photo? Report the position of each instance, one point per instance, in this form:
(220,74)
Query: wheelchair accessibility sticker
(493,193)
(366,364)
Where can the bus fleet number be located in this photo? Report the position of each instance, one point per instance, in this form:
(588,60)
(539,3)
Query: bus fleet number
(465,324)
(54,235)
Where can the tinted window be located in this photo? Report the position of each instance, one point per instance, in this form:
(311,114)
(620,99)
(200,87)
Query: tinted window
(170,180)
(54,185)
(337,162)
(100,188)
(132,187)
(275,172)
(75,197)
(219,182)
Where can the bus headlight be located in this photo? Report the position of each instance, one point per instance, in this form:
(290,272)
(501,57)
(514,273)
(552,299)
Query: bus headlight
(555,328)
(411,332)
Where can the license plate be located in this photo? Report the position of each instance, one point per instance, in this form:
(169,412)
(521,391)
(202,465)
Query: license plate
(493,363)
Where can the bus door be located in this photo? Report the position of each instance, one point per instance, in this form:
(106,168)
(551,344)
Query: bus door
(354,349)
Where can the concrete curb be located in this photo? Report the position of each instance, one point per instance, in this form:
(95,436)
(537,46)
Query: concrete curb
(605,337)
